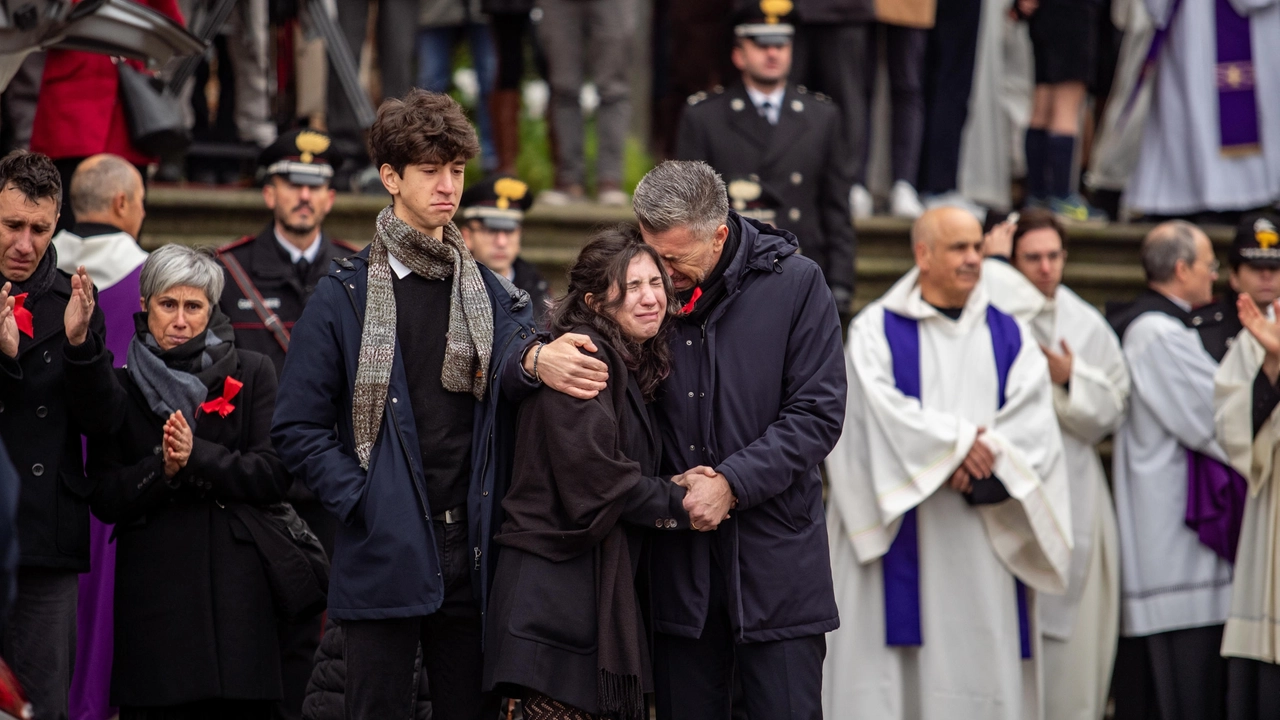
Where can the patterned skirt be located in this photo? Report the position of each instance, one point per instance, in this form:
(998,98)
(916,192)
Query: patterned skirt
(541,707)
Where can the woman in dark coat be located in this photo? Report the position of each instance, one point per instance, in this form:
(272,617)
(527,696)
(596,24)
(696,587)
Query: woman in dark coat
(195,629)
(565,630)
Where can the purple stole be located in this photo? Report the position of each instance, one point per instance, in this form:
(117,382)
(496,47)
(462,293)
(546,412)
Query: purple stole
(1238,132)
(91,683)
(901,563)
(1215,504)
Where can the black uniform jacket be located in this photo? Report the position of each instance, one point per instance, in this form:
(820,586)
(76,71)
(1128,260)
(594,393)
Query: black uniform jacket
(193,613)
(50,394)
(801,161)
(284,293)
(531,281)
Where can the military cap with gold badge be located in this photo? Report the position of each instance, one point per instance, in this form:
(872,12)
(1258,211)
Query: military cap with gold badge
(499,202)
(766,22)
(1257,241)
(299,156)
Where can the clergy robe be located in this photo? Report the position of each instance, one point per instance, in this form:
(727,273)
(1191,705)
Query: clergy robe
(1080,627)
(114,263)
(1252,633)
(1181,169)
(895,455)
(1119,137)
(1170,580)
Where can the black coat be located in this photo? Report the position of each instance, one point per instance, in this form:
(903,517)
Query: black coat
(281,289)
(193,613)
(50,395)
(531,281)
(801,163)
(326,690)
(542,628)
(758,392)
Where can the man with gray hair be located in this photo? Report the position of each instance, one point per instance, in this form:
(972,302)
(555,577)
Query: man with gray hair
(107,197)
(1175,589)
(754,402)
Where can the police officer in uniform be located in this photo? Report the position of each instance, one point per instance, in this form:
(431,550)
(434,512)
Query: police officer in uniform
(788,140)
(490,217)
(269,279)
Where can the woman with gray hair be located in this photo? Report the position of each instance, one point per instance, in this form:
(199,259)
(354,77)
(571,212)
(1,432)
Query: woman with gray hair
(195,628)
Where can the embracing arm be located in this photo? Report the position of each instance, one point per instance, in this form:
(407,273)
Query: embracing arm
(309,406)
(814,389)
(253,474)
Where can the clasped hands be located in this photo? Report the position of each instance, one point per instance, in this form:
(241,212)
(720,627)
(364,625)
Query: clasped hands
(177,443)
(708,497)
(978,464)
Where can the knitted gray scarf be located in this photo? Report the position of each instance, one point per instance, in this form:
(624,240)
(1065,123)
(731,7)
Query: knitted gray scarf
(468,344)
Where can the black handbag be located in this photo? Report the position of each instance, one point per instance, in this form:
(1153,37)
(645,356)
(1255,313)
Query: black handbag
(296,564)
(156,125)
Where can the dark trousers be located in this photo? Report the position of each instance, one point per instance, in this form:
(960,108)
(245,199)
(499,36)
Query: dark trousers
(695,679)
(904,56)
(1253,689)
(39,640)
(380,653)
(203,710)
(397,34)
(830,59)
(950,54)
(299,639)
(1177,675)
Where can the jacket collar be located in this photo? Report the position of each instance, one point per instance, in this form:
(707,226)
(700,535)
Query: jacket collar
(47,314)
(760,249)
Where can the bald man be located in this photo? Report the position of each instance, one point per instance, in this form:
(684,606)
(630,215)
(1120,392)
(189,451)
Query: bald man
(1175,581)
(949,507)
(107,197)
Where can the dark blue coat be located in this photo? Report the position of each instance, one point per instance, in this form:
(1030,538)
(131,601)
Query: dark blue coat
(757,392)
(385,560)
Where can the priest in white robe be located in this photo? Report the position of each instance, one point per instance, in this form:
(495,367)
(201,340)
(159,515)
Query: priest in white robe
(1175,589)
(1212,139)
(1248,428)
(949,506)
(1090,392)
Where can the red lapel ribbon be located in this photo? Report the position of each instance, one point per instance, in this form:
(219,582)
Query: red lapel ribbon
(223,405)
(23,316)
(688,307)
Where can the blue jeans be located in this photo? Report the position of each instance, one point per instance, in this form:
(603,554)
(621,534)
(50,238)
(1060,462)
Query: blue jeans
(435,72)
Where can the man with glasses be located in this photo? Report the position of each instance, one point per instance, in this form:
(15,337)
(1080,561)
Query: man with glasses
(1090,389)
(1175,586)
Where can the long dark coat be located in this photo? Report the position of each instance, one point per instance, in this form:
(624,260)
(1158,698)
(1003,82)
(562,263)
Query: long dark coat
(194,618)
(542,629)
(757,392)
(385,562)
(801,162)
(50,395)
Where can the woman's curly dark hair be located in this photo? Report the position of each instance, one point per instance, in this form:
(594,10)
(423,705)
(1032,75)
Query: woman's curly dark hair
(601,271)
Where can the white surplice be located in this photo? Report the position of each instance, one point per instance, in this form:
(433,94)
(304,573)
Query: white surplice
(1253,628)
(896,454)
(1181,168)
(1169,579)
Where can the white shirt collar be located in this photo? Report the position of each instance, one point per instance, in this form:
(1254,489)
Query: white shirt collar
(400,269)
(294,253)
(775,101)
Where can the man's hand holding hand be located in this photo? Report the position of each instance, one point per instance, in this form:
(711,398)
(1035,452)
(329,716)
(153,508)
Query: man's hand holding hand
(564,368)
(978,464)
(709,497)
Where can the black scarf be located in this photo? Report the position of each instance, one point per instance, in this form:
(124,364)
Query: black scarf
(181,377)
(41,280)
(714,287)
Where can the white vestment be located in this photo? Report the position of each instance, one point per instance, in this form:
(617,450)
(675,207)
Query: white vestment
(1169,579)
(1119,138)
(1253,628)
(896,454)
(1181,169)
(107,258)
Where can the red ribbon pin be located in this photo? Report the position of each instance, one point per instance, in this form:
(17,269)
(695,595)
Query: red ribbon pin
(22,316)
(222,405)
(688,307)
